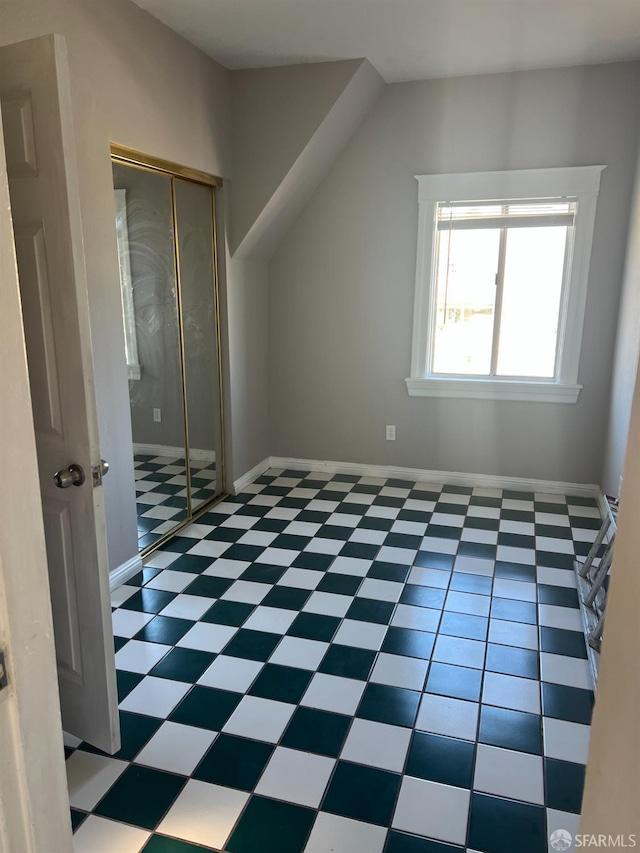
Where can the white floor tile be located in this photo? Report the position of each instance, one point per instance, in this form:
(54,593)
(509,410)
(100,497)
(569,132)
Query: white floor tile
(171,581)
(162,512)
(342,519)
(526,556)
(204,814)
(368,537)
(507,691)
(562,820)
(343,835)
(447,519)
(521,506)
(122,593)
(400,671)
(483,511)
(584,511)
(400,556)
(301,578)
(568,618)
(99,835)
(156,697)
(229,673)
(431,809)
(126,623)
(421,618)
(516,634)
(247,592)
(445,716)
(176,748)
(377,745)
(197,531)
(333,693)
(239,522)
(429,577)
(517,590)
(299,652)
(161,559)
(556,577)
(71,740)
(207,637)
(260,719)
(261,538)
(141,657)
(351,566)
(466,602)
(362,635)
(186,606)
(477,534)
(296,777)
(557,546)
(566,741)
(328,604)
(324,546)
(302,528)
(557,519)
(383,511)
(209,547)
(380,590)
(273,620)
(459,651)
(277,556)
(439,546)
(572,672)
(223,568)
(507,773)
(474,566)
(89,777)
(412,528)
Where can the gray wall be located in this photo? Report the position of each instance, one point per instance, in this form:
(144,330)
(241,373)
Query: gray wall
(135,82)
(626,357)
(342,281)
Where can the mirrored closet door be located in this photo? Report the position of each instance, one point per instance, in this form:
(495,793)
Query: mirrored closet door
(165,223)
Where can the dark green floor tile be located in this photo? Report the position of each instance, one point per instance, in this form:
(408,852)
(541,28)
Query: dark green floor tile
(290,542)
(400,842)
(254,645)
(442,531)
(368,610)
(183,665)
(392,705)
(146,524)
(245,553)
(455,681)
(510,610)
(119,642)
(164,629)
(348,662)
(511,729)
(360,550)
(463,625)
(517,540)
(517,515)
(270,525)
(482,523)
(561,596)
(263,573)
(419,516)
(191,563)
(234,762)
(314,626)
(126,682)
(233,613)
(77,817)
(148,600)
(567,703)
(477,584)
(515,572)
(341,584)
(504,826)
(135,731)
(147,539)
(163,844)
(388,572)
(287,597)
(578,500)
(371,522)
(477,549)
(313,517)
(558,641)
(555,508)
(553,531)
(225,534)
(208,587)
(423,596)
(441,759)
(362,793)
(410,643)
(282,683)
(481,500)
(206,708)
(141,578)
(513,495)
(316,731)
(512,661)
(564,784)
(554,560)
(141,796)
(403,540)
(309,560)
(268,826)
(180,543)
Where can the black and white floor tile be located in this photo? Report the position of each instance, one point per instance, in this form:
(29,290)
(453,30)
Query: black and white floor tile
(340,663)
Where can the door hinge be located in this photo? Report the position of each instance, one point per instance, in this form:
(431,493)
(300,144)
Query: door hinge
(3,672)
(98,472)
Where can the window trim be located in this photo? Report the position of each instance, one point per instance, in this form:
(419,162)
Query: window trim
(580,182)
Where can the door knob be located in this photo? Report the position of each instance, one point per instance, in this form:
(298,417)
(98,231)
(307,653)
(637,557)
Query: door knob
(71,476)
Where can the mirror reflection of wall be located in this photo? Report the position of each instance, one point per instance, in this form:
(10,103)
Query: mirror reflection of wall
(171,344)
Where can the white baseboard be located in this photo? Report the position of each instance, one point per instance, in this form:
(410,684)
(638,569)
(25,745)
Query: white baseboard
(178,452)
(248,478)
(125,571)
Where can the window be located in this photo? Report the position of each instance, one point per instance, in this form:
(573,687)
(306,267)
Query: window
(501,279)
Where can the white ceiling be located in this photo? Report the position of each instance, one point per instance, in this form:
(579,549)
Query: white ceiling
(408,39)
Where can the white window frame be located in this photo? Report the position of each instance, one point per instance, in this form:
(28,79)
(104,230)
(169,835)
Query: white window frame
(126,286)
(579,182)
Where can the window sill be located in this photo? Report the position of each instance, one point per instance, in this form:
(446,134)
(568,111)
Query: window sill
(488,389)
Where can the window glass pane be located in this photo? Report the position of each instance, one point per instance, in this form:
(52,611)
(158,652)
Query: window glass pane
(465,301)
(534,267)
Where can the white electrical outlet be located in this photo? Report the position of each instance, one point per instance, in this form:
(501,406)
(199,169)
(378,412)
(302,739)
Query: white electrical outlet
(390,434)
(157,415)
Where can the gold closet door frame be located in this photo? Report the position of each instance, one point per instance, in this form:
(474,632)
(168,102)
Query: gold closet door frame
(148,163)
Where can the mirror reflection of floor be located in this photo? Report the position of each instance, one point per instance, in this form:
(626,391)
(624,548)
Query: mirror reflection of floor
(161,492)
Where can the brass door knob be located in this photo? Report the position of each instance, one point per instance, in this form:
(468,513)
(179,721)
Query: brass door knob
(71,476)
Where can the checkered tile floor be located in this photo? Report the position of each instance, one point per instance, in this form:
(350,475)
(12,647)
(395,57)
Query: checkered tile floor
(161,493)
(334,663)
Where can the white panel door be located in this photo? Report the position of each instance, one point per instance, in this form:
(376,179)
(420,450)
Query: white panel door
(38,132)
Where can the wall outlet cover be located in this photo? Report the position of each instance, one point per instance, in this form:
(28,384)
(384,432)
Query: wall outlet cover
(390,434)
